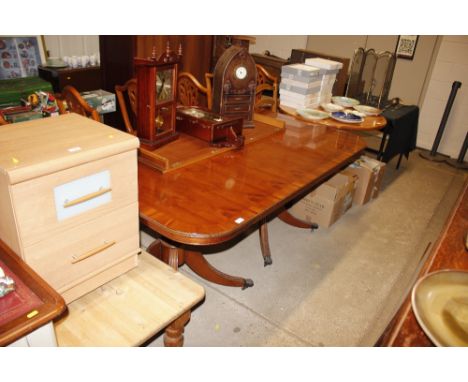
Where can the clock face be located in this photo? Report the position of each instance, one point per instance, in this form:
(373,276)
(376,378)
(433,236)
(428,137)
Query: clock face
(164,85)
(241,72)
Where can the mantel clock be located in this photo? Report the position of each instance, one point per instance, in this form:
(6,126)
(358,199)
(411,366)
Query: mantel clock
(234,83)
(157,97)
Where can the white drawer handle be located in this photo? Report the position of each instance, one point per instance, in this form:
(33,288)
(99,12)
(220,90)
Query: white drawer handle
(85,198)
(93,252)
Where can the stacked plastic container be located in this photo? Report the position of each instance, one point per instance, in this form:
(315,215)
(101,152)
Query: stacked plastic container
(300,86)
(328,71)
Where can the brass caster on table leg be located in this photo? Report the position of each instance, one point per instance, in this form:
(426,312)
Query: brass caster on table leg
(267,261)
(247,284)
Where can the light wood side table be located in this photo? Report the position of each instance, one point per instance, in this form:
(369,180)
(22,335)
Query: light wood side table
(132,308)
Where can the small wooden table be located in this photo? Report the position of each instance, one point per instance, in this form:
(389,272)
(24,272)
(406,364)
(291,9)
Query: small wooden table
(132,308)
(369,123)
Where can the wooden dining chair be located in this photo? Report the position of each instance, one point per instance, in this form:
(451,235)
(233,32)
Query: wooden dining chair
(3,121)
(71,101)
(127,94)
(266,92)
(190,90)
(209,86)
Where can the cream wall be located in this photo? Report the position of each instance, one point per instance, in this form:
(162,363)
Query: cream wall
(450,64)
(341,46)
(60,46)
(280,46)
(409,75)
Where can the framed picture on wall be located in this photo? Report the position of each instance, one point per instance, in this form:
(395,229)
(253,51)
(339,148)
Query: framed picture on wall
(406,47)
(20,56)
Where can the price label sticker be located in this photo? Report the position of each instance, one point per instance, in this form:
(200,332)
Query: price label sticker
(74,149)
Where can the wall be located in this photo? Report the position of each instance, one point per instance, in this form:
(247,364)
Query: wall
(450,64)
(341,46)
(60,46)
(406,71)
(409,75)
(413,81)
(280,46)
(425,81)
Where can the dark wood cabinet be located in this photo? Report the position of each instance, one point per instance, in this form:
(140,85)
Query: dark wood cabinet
(272,64)
(83,79)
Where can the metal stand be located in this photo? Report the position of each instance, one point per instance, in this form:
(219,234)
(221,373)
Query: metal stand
(459,163)
(433,155)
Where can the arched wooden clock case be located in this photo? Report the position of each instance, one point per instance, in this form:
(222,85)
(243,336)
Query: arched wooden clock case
(234,83)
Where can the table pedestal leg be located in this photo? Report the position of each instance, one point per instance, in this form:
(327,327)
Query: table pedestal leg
(174,333)
(197,263)
(167,253)
(291,220)
(264,243)
(175,257)
(155,249)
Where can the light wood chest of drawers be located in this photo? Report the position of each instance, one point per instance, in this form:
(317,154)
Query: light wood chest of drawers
(69,200)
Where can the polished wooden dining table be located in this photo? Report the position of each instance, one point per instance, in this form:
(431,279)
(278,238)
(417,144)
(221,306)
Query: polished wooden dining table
(213,201)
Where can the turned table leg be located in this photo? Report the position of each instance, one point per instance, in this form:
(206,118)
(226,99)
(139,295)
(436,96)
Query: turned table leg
(173,256)
(174,333)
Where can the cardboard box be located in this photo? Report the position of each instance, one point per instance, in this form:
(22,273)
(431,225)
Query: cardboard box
(370,173)
(327,203)
(102,101)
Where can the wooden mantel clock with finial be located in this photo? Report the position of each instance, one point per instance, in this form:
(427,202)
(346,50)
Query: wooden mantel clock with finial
(157,97)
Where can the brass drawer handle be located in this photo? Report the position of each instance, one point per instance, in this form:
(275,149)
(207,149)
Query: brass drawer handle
(93,252)
(85,198)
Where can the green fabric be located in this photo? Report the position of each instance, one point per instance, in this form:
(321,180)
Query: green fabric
(12,90)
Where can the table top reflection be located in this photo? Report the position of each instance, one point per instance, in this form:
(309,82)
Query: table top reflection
(214,200)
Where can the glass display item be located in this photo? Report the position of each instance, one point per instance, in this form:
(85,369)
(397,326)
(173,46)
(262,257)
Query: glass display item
(156,97)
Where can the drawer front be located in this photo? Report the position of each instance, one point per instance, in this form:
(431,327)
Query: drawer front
(83,80)
(53,203)
(81,252)
(237,99)
(240,107)
(81,195)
